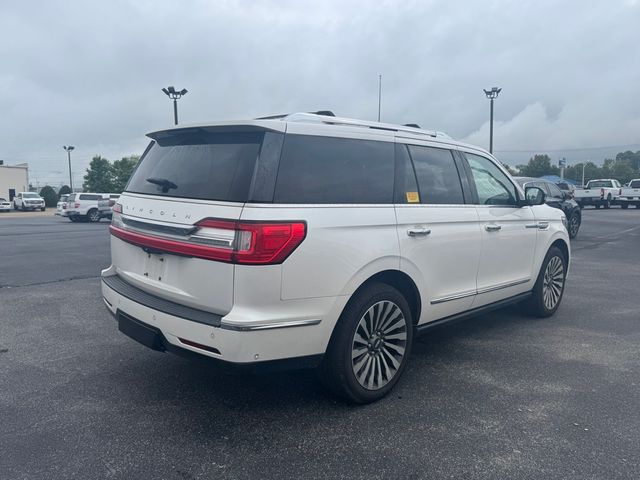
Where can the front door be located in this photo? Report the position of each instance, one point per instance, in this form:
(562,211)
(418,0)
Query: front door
(508,232)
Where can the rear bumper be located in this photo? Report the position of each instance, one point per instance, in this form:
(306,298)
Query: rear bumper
(241,346)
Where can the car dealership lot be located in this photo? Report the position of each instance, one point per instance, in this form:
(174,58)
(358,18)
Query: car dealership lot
(500,396)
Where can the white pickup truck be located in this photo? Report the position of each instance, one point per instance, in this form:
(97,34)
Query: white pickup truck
(28,201)
(599,193)
(630,195)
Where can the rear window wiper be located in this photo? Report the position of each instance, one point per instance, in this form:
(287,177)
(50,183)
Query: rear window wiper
(165,184)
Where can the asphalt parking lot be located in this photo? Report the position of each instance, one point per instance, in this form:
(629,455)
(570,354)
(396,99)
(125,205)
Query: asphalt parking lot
(499,396)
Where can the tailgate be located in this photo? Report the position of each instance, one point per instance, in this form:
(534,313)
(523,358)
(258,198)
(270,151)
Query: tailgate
(191,281)
(185,176)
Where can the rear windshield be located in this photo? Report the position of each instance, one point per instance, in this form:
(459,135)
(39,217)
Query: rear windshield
(635,184)
(598,184)
(198,164)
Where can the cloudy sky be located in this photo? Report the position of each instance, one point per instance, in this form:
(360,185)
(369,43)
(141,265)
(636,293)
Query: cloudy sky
(90,73)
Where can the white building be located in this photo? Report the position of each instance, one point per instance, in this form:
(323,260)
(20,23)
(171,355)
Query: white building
(13,179)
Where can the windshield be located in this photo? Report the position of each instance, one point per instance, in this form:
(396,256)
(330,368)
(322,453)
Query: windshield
(598,184)
(3,199)
(197,164)
(30,195)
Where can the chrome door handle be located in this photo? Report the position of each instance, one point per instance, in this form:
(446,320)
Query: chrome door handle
(492,228)
(418,232)
(539,225)
(543,225)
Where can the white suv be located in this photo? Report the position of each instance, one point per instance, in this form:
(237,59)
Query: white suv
(312,240)
(84,207)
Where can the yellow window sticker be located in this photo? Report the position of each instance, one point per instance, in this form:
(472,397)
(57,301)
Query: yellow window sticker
(413,197)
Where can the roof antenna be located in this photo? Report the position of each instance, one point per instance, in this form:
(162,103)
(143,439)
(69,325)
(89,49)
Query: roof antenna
(379,94)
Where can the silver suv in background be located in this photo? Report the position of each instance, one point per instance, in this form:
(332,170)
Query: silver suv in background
(317,241)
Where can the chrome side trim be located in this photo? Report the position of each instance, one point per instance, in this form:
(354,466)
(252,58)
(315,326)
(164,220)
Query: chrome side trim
(493,288)
(531,225)
(503,285)
(449,298)
(268,326)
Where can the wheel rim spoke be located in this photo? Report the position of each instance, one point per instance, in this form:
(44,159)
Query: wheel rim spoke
(379,345)
(553,283)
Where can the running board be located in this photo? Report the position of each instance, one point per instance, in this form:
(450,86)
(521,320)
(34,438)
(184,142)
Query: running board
(424,328)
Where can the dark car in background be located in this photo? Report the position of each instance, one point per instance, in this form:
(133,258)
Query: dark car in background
(558,199)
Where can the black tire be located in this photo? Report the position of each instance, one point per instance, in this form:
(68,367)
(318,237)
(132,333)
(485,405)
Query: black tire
(624,206)
(536,305)
(597,205)
(607,202)
(637,205)
(574,222)
(339,367)
(93,215)
(42,209)
(73,219)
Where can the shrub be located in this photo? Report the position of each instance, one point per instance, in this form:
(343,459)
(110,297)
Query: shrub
(50,196)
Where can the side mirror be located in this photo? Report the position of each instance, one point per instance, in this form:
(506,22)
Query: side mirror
(534,196)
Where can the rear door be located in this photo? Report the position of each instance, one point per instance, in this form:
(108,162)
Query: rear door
(508,231)
(438,230)
(184,177)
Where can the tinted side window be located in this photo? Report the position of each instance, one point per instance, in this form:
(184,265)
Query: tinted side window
(334,170)
(554,191)
(406,190)
(437,174)
(635,184)
(85,196)
(492,185)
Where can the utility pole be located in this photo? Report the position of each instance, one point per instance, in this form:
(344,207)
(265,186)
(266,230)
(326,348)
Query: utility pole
(379,94)
(174,95)
(491,95)
(68,149)
(583,165)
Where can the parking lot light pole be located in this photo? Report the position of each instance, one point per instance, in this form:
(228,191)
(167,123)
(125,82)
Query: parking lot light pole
(68,149)
(491,95)
(174,95)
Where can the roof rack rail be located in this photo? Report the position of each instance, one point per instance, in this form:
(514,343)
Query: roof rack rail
(315,118)
(324,113)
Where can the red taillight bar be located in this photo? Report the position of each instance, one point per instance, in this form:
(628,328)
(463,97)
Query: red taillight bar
(256,243)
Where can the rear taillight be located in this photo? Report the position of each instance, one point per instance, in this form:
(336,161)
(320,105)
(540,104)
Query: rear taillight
(602,192)
(117,208)
(76,205)
(246,243)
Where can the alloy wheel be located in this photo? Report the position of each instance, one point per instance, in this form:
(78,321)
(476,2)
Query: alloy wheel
(574,225)
(553,283)
(379,345)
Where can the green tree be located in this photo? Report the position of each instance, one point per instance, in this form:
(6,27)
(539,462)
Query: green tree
(122,170)
(538,166)
(50,196)
(633,158)
(64,190)
(99,177)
